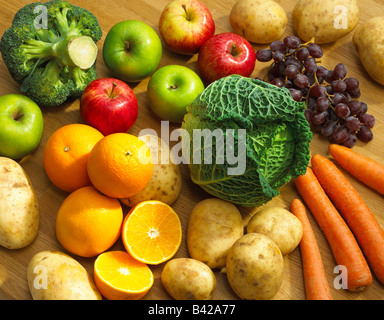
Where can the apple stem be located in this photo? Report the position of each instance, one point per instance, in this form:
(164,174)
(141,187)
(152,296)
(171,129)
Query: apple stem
(234,50)
(114,85)
(186,12)
(173,87)
(17,116)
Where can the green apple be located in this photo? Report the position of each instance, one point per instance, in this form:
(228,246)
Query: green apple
(132,50)
(171,89)
(21,126)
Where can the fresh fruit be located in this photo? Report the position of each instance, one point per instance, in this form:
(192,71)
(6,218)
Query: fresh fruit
(132,50)
(151,232)
(185,25)
(118,276)
(171,89)
(109,105)
(329,94)
(21,126)
(66,155)
(225,54)
(88,223)
(120,165)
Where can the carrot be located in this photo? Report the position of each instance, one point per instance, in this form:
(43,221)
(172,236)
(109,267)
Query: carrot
(343,244)
(363,168)
(316,285)
(354,210)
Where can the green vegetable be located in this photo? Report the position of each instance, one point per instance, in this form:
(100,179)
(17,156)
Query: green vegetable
(56,60)
(277,139)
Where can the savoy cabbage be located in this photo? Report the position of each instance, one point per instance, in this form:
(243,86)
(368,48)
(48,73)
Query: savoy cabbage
(277,139)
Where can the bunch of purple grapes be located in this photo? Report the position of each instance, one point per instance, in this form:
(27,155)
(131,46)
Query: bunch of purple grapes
(332,109)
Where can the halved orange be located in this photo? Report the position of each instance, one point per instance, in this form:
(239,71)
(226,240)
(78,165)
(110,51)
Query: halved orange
(118,276)
(151,232)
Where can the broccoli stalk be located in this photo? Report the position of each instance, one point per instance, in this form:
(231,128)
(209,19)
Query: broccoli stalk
(56,63)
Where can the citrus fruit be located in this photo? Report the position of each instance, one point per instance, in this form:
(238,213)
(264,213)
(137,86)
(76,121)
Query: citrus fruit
(151,232)
(120,165)
(88,222)
(66,155)
(118,276)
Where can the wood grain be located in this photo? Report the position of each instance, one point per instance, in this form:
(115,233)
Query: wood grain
(13,263)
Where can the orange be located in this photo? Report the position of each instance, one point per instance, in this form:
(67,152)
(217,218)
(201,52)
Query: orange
(88,223)
(66,155)
(118,276)
(120,165)
(151,232)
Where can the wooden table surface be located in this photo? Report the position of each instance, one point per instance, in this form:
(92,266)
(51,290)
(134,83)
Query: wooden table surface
(13,263)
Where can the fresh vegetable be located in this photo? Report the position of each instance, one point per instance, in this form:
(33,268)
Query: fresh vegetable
(363,168)
(188,279)
(213,227)
(325,20)
(53,275)
(368,40)
(316,285)
(328,94)
(165,183)
(276,143)
(340,238)
(19,208)
(354,210)
(278,224)
(258,21)
(53,63)
(255,267)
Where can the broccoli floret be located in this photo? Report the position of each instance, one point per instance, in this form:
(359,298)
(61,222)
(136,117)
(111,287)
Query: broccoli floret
(48,60)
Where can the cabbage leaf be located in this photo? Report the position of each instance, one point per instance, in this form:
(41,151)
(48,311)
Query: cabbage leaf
(277,139)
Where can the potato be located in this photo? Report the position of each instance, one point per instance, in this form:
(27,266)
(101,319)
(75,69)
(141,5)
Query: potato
(19,209)
(53,275)
(325,20)
(188,279)
(165,183)
(368,40)
(258,21)
(278,224)
(213,227)
(255,267)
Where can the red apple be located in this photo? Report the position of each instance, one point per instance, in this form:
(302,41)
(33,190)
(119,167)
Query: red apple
(225,54)
(185,25)
(109,105)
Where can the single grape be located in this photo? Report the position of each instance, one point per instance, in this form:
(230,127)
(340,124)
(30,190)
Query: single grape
(332,115)
(339,72)
(317,91)
(367,120)
(292,61)
(342,111)
(302,54)
(350,142)
(322,104)
(355,107)
(278,56)
(352,83)
(355,93)
(315,51)
(292,42)
(340,135)
(328,76)
(310,65)
(329,90)
(297,95)
(338,98)
(319,118)
(311,103)
(365,134)
(321,71)
(264,55)
(278,82)
(339,86)
(278,46)
(301,81)
(352,123)
(328,128)
(291,71)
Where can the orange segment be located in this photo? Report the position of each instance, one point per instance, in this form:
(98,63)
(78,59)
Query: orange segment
(118,276)
(151,232)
